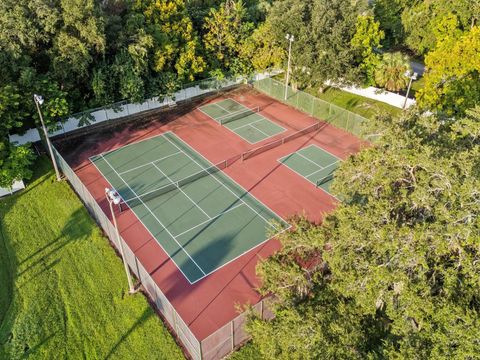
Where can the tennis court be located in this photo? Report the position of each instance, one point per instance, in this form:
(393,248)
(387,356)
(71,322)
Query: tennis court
(247,123)
(199,216)
(314,164)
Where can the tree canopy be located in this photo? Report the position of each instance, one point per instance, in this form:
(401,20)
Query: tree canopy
(452,83)
(394,270)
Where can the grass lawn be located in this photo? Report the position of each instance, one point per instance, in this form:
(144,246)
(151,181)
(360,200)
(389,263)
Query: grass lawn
(417,85)
(357,104)
(63,290)
(247,352)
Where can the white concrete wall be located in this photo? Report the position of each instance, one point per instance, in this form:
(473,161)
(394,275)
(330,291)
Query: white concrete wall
(31,135)
(100,115)
(17,185)
(377,94)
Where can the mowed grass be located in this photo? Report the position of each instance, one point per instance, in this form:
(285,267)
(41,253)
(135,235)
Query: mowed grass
(357,104)
(363,106)
(63,291)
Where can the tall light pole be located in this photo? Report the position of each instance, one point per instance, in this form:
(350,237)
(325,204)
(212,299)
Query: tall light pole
(114,199)
(290,39)
(412,77)
(39,101)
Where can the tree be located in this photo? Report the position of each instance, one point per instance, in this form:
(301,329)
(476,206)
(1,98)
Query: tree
(225,31)
(452,82)
(393,272)
(323,33)
(391,73)
(79,40)
(331,56)
(389,14)
(12,111)
(15,163)
(176,44)
(366,40)
(421,20)
(262,50)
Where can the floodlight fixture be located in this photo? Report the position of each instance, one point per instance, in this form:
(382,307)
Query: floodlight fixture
(291,39)
(38,99)
(114,198)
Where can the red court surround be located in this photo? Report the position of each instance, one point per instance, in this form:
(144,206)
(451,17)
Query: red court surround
(211,302)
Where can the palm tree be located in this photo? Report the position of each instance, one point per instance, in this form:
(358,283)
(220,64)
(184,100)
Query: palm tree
(392,72)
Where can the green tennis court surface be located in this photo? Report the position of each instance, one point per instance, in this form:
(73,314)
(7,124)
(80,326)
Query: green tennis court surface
(198,215)
(247,123)
(314,164)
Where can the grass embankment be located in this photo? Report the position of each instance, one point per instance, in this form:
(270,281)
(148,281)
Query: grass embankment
(357,104)
(363,106)
(62,288)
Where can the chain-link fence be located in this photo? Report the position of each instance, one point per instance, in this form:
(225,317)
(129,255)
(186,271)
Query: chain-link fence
(217,345)
(124,108)
(313,106)
(187,338)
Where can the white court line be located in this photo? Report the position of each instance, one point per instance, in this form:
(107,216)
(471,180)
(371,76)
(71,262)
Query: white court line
(226,127)
(228,111)
(326,167)
(282,159)
(166,229)
(183,192)
(211,117)
(233,130)
(315,185)
(238,185)
(132,143)
(221,107)
(226,175)
(263,132)
(221,183)
(150,163)
(242,126)
(148,230)
(322,149)
(306,158)
(209,220)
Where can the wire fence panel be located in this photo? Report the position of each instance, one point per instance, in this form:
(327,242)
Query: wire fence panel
(186,337)
(239,333)
(182,330)
(318,108)
(124,108)
(218,344)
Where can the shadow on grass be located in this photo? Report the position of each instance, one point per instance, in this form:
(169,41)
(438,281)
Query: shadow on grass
(32,257)
(148,313)
(44,257)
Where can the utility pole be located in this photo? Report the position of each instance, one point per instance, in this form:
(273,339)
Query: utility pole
(290,39)
(412,77)
(39,101)
(114,199)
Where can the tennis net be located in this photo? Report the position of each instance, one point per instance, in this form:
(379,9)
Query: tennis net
(325,179)
(237,115)
(273,144)
(176,185)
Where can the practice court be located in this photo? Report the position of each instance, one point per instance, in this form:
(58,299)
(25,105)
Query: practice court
(314,164)
(199,216)
(247,123)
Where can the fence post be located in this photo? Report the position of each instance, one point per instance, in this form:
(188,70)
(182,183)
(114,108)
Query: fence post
(233,335)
